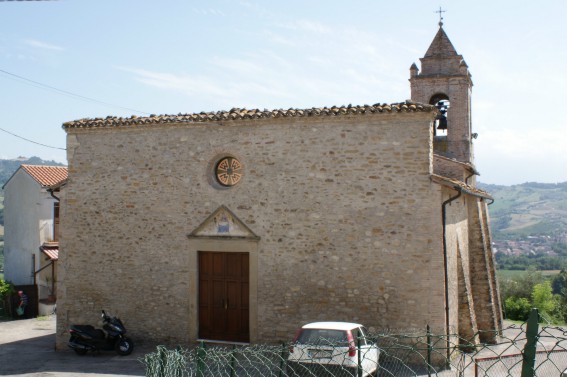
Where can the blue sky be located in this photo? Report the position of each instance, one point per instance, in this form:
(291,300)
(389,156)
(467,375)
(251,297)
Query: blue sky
(125,57)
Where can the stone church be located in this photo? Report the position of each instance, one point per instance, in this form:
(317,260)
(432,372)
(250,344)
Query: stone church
(243,225)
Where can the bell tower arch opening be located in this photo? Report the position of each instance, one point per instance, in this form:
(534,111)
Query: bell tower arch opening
(440,126)
(444,81)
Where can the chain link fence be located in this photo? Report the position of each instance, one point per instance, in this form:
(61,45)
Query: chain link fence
(525,350)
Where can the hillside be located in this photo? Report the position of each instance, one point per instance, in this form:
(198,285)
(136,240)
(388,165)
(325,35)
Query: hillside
(529,225)
(529,209)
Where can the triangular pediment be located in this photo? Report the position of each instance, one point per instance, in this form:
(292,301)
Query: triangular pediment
(223,223)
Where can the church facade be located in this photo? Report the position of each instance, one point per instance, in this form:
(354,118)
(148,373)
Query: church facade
(243,225)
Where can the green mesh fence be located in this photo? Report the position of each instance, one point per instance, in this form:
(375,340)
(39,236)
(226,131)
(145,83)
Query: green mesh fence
(525,350)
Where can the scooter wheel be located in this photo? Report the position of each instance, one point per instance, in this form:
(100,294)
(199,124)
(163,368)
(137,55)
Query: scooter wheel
(80,351)
(124,346)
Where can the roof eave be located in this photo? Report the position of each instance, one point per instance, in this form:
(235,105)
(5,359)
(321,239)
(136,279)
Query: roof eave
(460,186)
(237,114)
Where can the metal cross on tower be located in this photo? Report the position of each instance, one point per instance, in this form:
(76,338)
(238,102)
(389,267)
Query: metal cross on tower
(440,11)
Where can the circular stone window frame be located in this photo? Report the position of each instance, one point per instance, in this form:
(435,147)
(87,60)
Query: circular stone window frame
(213,171)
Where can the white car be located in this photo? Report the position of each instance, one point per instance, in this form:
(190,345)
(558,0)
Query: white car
(333,349)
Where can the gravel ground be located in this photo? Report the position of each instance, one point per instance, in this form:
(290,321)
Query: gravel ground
(27,348)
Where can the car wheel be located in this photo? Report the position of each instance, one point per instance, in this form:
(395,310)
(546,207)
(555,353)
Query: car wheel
(124,346)
(80,351)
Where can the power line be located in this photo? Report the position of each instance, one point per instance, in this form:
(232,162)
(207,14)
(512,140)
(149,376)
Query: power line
(31,141)
(37,84)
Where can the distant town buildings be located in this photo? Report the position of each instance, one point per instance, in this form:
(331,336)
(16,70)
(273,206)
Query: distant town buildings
(531,245)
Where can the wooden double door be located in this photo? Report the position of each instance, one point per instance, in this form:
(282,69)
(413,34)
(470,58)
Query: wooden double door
(224,296)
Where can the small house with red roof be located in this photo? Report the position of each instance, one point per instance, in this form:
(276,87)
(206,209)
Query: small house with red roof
(31,219)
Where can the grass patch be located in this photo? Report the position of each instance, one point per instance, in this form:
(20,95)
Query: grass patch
(515,274)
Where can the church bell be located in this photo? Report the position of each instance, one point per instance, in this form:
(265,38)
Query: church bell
(441,118)
(441,122)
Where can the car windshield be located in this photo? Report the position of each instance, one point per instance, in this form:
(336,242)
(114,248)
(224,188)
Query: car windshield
(323,336)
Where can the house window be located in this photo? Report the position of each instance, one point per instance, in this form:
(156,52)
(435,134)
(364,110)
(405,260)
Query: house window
(56,221)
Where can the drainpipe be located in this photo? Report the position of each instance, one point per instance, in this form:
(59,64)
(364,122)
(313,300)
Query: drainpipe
(50,191)
(466,179)
(52,263)
(445,259)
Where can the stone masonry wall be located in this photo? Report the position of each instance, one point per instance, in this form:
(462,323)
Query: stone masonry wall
(451,169)
(348,219)
(457,256)
(484,281)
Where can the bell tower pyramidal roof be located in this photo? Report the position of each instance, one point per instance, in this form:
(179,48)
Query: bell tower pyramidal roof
(442,58)
(441,45)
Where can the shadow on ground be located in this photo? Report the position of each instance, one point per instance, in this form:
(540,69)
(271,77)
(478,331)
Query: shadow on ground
(36,355)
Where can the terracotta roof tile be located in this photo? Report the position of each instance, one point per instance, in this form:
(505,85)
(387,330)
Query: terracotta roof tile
(238,114)
(46,175)
(51,250)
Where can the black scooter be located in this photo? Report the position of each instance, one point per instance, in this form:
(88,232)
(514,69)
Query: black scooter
(86,338)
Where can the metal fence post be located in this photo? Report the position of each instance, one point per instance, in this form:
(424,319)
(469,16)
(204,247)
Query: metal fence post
(282,360)
(233,361)
(429,349)
(529,353)
(200,361)
(359,363)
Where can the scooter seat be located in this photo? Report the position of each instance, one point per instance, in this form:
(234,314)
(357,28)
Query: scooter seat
(89,331)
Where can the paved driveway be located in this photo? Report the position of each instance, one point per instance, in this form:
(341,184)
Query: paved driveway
(27,348)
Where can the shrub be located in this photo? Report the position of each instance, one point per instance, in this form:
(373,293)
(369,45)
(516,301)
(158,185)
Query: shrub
(542,297)
(6,289)
(517,308)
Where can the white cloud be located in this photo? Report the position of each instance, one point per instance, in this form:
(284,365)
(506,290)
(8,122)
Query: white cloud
(187,84)
(220,89)
(510,155)
(307,26)
(280,39)
(533,144)
(304,70)
(251,66)
(208,11)
(43,45)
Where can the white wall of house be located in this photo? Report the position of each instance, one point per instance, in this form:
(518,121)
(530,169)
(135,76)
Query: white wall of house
(28,223)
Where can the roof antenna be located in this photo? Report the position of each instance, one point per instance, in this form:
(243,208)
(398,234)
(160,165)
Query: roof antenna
(440,11)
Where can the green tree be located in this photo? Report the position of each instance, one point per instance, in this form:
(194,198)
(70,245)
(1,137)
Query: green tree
(559,282)
(560,312)
(542,298)
(6,288)
(522,286)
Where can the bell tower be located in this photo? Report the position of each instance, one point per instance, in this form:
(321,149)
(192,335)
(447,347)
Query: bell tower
(445,82)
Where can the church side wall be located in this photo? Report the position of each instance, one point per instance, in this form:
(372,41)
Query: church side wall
(348,219)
